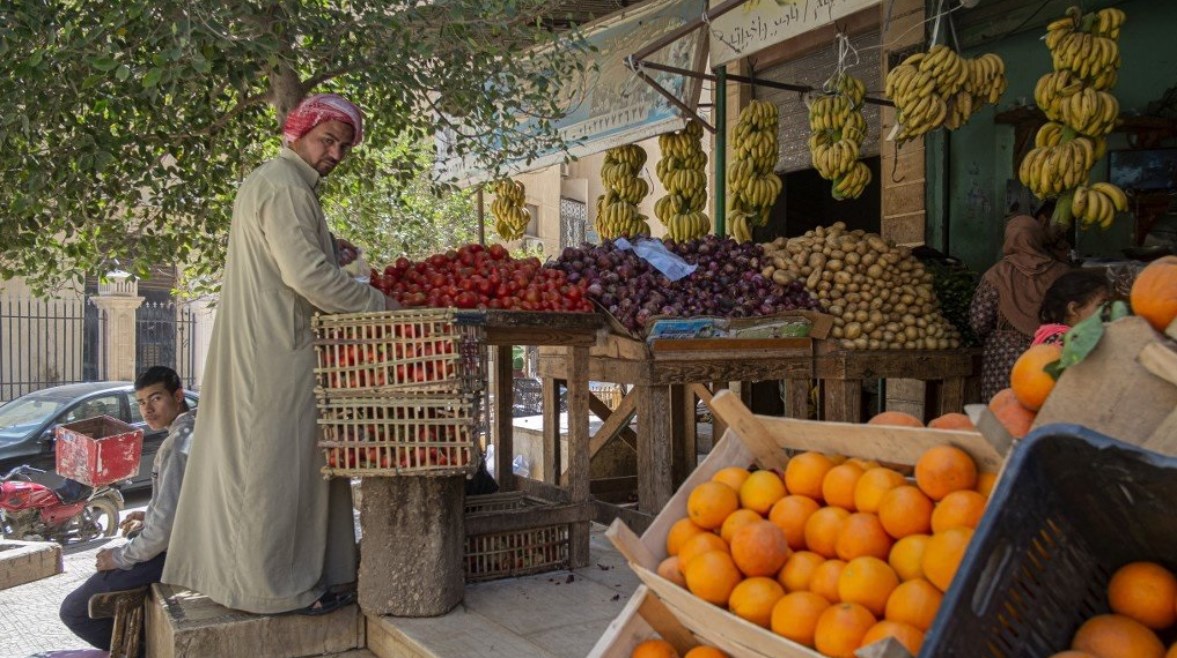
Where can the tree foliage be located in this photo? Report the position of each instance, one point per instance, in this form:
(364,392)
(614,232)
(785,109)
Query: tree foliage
(126,125)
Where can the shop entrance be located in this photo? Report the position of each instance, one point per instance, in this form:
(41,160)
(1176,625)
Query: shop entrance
(805,203)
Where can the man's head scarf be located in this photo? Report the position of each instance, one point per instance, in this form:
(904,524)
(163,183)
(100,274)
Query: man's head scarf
(316,109)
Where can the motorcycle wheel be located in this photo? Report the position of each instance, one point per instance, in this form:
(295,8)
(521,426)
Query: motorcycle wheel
(105,516)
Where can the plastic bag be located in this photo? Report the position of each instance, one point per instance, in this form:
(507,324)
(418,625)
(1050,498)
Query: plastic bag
(520,466)
(655,253)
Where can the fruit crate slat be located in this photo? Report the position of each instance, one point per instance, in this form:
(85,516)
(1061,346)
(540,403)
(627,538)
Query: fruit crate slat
(407,435)
(416,351)
(515,534)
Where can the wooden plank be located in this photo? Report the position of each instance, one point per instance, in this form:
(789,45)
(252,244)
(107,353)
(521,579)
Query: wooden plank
(749,369)
(551,429)
(620,347)
(668,626)
(834,363)
(483,523)
(702,392)
(602,411)
(843,400)
(905,197)
(578,448)
(686,441)
(543,490)
(615,423)
(749,428)
(537,336)
(1160,361)
(504,395)
(655,485)
(951,392)
(626,631)
(614,489)
(636,552)
(607,513)
(718,427)
(460,633)
(777,347)
(797,391)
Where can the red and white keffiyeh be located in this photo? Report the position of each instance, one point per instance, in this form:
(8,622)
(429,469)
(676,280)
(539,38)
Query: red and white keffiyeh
(316,109)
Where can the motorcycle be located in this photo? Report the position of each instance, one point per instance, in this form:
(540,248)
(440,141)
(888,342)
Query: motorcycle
(72,511)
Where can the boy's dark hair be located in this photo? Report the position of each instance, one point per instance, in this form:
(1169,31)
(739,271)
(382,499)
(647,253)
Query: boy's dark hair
(1079,286)
(158,375)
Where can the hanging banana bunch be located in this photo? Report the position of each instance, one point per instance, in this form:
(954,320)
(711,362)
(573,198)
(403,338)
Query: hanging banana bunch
(839,128)
(1081,110)
(511,218)
(941,88)
(617,209)
(752,185)
(682,171)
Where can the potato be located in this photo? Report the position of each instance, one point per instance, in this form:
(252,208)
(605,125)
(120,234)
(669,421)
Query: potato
(806,270)
(853,330)
(908,320)
(834,265)
(814,278)
(817,259)
(888,336)
(874,271)
(861,343)
(943,343)
(861,315)
(782,278)
(840,278)
(837,332)
(869,258)
(852,258)
(869,327)
(853,287)
(874,344)
(921,322)
(836,293)
(824,286)
(911,332)
(835,310)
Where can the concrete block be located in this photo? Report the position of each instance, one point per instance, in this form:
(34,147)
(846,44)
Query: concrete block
(25,561)
(184,624)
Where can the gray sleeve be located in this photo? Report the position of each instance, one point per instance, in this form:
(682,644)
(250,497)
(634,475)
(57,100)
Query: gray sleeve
(160,514)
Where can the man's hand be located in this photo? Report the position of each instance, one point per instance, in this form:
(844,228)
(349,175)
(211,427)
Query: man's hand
(348,252)
(391,304)
(105,560)
(133,522)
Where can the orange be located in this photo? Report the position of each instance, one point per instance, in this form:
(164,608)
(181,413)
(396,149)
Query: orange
(790,514)
(959,509)
(871,487)
(840,629)
(822,530)
(1013,416)
(907,555)
(1146,592)
(1154,293)
(905,511)
(1030,382)
(1116,636)
(806,472)
(680,532)
(895,418)
(698,545)
(825,580)
(867,581)
(985,483)
(654,649)
(1172,653)
(798,570)
(838,486)
(795,616)
(754,598)
(1072,654)
(863,534)
(735,521)
(1002,398)
(710,503)
(952,421)
(915,602)
(943,554)
(732,476)
(672,571)
(761,490)
(760,549)
(864,464)
(705,652)
(909,636)
(712,576)
(944,469)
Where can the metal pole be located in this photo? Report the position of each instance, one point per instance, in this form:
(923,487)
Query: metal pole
(756,82)
(481,218)
(720,155)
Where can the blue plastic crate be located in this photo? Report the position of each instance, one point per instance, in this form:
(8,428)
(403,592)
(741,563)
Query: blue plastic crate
(1072,507)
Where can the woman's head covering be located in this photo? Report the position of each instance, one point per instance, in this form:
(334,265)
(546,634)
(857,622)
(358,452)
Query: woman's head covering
(316,109)
(1024,273)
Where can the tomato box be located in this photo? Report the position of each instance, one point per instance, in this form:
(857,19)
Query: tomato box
(98,451)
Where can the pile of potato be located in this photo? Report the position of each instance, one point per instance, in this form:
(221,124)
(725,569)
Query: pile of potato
(881,297)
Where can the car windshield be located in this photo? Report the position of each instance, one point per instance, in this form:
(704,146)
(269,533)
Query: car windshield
(23,414)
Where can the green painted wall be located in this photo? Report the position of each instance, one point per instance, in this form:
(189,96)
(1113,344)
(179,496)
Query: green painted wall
(971,189)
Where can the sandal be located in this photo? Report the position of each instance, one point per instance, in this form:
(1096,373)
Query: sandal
(329,602)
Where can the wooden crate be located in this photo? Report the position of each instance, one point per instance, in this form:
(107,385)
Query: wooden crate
(644,617)
(98,451)
(515,534)
(764,440)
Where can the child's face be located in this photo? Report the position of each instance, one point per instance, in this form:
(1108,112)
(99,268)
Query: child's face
(1077,313)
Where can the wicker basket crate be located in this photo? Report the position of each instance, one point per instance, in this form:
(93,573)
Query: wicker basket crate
(407,435)
(513,534)
(408,352)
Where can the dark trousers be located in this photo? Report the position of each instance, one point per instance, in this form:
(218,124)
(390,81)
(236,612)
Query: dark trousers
(74,609)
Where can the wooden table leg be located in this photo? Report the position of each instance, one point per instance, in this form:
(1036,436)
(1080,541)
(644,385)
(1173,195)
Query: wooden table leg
(578,450)
(684,432)
(655,481)
(952,395)
(504,390)
(718,427)
(553,460)
(798,398)
(843,400)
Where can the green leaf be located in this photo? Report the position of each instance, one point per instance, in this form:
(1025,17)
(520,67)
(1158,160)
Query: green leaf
(1080,341)
(152,77)
(104,63)
(122,73)
(1119,309)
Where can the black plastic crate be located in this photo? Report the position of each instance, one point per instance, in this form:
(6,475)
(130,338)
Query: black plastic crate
(1072,507)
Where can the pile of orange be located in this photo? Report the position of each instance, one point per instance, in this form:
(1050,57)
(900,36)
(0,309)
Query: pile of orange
(662,649)
(835,554)
(1029,386)
(1143,599)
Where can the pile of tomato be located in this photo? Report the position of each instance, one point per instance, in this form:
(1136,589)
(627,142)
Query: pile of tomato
(480,277)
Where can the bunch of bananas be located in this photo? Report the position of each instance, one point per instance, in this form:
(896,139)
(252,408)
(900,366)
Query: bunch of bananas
(752,185)
(1099,203)
(511,218)
(1081,113)
(617,210)
(682,172)
(940,87)
(839,129)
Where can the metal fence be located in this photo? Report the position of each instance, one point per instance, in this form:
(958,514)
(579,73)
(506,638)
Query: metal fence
(48,342)
(165,336)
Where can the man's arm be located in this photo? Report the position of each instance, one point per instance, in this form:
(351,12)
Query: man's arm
(161,511)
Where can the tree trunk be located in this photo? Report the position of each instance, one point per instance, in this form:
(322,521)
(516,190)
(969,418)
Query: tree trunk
(286,90)
(413,545)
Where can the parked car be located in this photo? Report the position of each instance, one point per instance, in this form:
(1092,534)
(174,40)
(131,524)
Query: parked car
(27,423)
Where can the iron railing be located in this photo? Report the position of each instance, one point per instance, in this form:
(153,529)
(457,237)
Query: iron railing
(165,336)
(47,342)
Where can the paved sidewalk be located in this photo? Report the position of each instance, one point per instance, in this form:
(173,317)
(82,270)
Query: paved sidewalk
(28,613)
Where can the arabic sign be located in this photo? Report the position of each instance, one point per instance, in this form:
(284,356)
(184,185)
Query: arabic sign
(609,105)
(758,24)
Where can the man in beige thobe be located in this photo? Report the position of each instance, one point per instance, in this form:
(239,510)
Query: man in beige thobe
(257,527)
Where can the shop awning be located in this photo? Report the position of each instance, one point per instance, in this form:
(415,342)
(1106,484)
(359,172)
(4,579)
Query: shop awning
(757,25)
